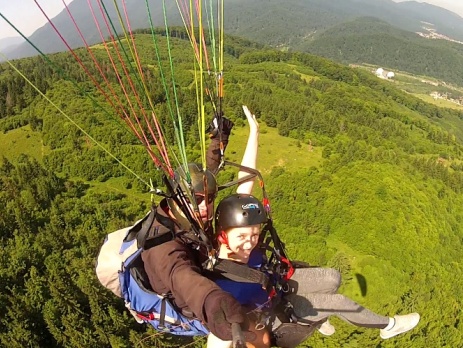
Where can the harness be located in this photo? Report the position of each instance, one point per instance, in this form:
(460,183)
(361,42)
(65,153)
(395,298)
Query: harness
(159,310)
(144,303)
(154,229)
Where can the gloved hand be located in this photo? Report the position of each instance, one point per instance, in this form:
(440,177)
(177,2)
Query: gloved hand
(221,310)
(227,126)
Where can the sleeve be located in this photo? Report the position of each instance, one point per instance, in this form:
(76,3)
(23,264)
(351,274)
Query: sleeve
(172,264)
(213,153)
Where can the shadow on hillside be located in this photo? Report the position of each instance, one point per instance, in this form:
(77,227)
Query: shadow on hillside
(362,283)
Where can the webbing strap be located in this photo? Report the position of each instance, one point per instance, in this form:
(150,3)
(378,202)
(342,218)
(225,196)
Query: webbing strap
(140,230)
(162,314)
(153,237)
(241,273)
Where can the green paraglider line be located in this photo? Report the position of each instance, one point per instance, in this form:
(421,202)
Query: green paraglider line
(178,128)
(114,34)
(140,104)
(63,74)
(163,79)
(140,78)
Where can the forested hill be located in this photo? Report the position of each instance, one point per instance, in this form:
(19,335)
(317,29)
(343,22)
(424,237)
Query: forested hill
(296,21)
(333,29)
(360,175)
(368,40)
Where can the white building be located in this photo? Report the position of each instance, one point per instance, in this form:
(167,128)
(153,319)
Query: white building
(379,72)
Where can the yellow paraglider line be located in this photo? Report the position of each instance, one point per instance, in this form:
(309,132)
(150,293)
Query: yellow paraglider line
(72,121)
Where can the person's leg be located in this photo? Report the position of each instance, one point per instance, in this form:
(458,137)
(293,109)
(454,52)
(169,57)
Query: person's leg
(314,307)
(313,296)
(319,280)
(316,279)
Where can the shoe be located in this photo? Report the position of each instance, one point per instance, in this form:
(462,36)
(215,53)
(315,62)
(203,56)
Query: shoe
(326,328)
(402,324)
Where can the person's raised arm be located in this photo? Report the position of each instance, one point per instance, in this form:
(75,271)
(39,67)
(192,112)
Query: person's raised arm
(250,153)
(213,154)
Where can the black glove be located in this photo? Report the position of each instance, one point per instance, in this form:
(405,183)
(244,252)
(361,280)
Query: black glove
(227,126)
(221,310)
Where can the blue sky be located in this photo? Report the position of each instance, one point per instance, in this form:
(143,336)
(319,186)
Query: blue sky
(26,16)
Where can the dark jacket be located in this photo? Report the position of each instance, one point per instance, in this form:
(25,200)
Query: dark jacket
(174,267)
(213,153)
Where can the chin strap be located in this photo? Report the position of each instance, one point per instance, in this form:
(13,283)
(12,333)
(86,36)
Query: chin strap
(223,239)
(183,222)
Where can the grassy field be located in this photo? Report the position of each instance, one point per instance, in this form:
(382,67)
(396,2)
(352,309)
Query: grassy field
(274,150)
(439,102)
(22,141)
(422,86)
(117,185)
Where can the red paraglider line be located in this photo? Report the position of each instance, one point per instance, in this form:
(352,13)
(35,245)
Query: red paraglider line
(121,107)
(161,146)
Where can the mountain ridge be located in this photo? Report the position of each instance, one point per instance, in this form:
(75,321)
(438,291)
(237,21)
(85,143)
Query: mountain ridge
(242,17)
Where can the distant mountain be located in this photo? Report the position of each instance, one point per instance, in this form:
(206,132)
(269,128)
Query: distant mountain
(291,23)
(368,40)
(336,29)
(9,43)
(48,41)
(278,23)
(445,22)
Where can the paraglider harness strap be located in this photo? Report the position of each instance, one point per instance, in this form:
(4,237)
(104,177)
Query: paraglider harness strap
(151,316)
(283,266)
(148,237)
(241,273)
(154,238)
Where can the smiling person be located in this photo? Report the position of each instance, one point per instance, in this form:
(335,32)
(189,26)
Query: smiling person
(312,291)
(238,224)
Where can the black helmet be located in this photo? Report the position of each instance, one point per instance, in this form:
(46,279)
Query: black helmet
(239,210)
(198,178)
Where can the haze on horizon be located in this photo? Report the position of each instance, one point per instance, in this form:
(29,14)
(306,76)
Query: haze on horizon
(451,5)
(27,17)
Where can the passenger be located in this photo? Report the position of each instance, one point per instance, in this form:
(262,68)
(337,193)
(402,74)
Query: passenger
(312,291)
(238,247)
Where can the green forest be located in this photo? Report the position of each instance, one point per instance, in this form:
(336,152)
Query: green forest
(361,177)
(370,40)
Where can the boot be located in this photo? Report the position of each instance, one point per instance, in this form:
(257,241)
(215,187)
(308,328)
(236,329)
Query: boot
(400,324)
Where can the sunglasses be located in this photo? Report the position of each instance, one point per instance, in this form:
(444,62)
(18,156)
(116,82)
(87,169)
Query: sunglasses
(200,198)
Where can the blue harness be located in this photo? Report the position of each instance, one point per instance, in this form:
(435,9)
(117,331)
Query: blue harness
(247,294)
(154,309)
